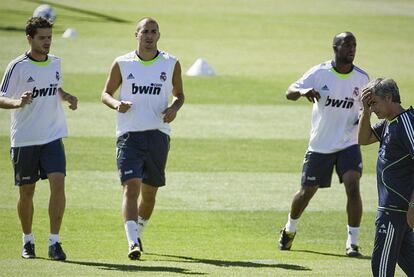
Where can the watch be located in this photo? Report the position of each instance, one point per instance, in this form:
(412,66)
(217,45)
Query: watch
(411,204)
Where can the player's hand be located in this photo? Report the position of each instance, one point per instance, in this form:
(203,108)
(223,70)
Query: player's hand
(169,114)
(366,99)
(25,99)
(73,102)
(124,106)
(410,217)
(312,95)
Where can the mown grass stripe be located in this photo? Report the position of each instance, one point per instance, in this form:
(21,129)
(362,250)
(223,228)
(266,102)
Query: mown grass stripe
(223,191)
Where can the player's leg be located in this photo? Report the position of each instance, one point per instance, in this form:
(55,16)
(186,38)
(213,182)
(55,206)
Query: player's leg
(300,201)
(130,193)
(154,176)
(130,155)
(25,210)
(349,170)
(53,167)
(406,257)
(145,209)
(57,202)
(388,237)
(25,164)
(317,172)
(25,207)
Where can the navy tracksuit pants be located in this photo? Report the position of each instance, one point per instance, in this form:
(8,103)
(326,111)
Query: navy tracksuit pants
(394,243)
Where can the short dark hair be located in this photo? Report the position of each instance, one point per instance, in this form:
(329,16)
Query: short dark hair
(383,87)
(35,23)
(338,38)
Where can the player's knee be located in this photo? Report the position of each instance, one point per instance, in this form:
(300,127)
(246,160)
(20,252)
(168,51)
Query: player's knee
(306,193)
(27,192)
(131,190)
(353,192)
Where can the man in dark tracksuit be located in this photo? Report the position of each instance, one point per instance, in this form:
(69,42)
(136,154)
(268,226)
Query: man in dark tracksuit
(394,237)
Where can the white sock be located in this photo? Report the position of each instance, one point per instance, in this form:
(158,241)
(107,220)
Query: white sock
(141,225)
(131,230)
(53,238)
(290,226)
(27,238)
(353,233)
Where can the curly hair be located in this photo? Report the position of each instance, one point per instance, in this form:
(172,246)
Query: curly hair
(35,23)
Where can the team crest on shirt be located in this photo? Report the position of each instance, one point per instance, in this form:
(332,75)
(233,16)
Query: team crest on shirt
(57,75)
(163,76)
(356,91)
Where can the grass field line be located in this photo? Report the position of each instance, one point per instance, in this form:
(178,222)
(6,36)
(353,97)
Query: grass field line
(224,191)
(199,121)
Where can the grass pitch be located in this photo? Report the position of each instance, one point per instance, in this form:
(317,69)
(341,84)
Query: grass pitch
(237,145)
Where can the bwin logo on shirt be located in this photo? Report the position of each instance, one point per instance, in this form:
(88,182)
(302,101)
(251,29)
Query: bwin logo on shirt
(340,103)
(153,89)
(51,90)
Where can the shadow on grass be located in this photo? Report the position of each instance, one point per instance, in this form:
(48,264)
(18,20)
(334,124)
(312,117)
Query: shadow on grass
(82,11)
(135,268)
(12,29)
(251,264)
(332,254)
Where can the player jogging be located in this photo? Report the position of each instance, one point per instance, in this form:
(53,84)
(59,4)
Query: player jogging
(32,87)
(333,87)
(148,77)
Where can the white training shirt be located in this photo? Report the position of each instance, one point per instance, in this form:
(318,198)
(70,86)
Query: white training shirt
(334,124)
(148,85)
(43,120)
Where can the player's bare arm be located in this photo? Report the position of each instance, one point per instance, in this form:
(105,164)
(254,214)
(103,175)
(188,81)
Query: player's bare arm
(112,84)
(9,103)
(294,94)
(171,112)
(72,100)
(365,134)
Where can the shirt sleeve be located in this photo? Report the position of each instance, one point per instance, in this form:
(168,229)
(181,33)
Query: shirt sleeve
(407,135)
(59,75)
(378,129)
(10,80)
(306,82)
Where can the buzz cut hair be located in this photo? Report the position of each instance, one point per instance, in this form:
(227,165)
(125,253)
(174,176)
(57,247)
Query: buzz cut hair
(146,19)
(383,87)
(338,38)
(35,23)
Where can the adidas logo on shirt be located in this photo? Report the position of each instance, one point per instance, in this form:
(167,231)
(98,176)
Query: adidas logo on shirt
(130,76)
(30,79)
(325,87)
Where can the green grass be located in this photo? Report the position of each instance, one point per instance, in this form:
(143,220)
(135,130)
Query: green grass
(237,145)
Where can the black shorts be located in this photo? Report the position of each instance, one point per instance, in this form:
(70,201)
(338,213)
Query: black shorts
(318,167)
(143,155)
(31,163)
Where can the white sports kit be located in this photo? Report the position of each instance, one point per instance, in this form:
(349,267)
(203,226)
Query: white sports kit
(43,120)
(148,85)
(340,99)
